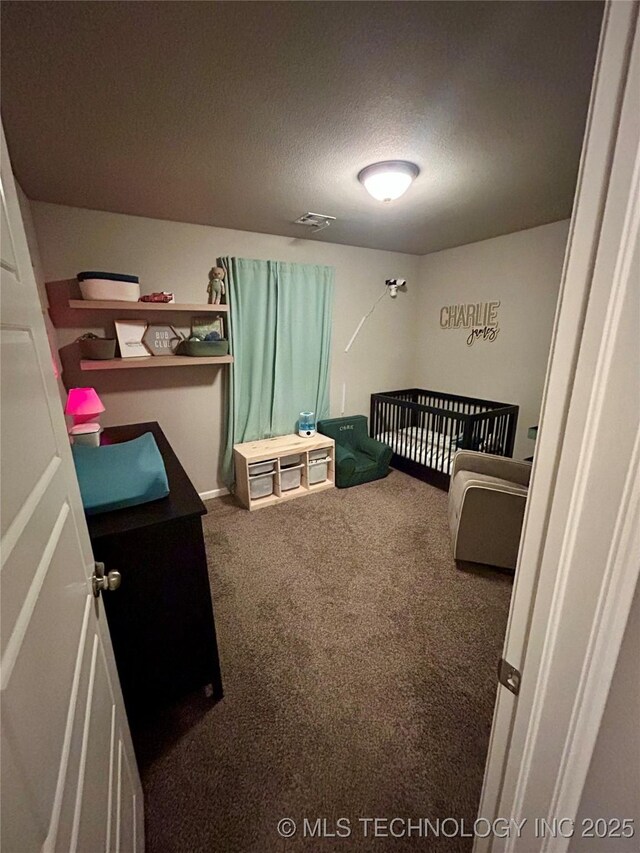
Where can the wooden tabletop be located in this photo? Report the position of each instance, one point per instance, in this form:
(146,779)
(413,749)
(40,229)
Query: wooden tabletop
(281,445)
(181,502)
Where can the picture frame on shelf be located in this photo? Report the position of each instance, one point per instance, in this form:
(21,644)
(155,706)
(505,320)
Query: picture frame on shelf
(130,334)
(161,339)
(203,326)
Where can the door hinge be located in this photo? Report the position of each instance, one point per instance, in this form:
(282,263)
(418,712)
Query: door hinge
(509,676)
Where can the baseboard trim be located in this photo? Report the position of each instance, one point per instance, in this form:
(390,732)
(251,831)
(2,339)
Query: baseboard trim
(214,493)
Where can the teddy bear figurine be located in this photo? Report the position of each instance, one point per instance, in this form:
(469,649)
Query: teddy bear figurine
(216,288)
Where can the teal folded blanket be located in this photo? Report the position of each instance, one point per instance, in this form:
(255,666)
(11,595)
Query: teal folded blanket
(114,476)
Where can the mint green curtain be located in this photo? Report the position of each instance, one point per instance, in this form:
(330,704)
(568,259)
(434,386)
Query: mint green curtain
(280,338)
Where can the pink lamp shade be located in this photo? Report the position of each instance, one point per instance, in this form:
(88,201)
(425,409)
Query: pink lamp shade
(83,404)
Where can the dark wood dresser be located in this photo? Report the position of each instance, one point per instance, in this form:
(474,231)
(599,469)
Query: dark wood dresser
(161,618)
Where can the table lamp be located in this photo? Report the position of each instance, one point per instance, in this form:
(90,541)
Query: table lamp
(84,405)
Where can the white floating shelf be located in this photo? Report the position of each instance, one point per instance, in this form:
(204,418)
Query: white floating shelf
(169,307)
(153,361)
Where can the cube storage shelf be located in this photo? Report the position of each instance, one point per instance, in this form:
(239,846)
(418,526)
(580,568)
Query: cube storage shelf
(271,451)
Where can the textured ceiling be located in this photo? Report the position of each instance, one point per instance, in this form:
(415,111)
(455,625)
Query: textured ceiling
(246,115)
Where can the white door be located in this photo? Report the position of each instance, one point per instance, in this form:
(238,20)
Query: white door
(69,777)
(578,562)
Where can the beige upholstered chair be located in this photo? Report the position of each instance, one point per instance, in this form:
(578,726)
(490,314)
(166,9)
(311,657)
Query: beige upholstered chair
(487,497)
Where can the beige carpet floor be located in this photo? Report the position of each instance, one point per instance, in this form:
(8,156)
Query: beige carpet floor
(359,666)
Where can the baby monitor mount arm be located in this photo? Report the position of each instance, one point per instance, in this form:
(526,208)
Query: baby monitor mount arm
(392,285)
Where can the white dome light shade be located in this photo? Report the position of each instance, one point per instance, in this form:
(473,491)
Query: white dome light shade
(389,180)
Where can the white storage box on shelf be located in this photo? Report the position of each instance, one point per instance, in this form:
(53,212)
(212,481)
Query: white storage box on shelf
(289,461)
(102,289)
(290,477)
(261,486)
(318,466)
(261,477)
(262,467)
(290,472)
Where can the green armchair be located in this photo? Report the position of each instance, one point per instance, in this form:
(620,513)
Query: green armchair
(359,458)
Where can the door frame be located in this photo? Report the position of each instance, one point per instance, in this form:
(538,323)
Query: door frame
(532,653)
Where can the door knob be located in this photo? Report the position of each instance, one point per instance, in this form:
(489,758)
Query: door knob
(100,581)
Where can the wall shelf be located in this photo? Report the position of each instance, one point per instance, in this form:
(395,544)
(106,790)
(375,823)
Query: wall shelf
(68,311)
(153,361)
(168,307)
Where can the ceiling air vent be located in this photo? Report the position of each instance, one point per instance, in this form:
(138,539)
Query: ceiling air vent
(317,221)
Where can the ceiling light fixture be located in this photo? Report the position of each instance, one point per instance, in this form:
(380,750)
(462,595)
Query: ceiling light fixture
(389,180)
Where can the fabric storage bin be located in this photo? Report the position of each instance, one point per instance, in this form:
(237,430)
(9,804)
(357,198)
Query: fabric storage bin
(109,286)
(290,461)
(109,291)
(261,485)
(198,349)
(290,476)
(318,468)
(97,348)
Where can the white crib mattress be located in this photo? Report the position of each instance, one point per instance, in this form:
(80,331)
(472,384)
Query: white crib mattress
(433,449)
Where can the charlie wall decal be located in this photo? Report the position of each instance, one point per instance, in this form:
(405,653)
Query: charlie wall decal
(480,317)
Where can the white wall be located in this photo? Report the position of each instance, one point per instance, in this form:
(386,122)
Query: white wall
(188,401)
(402,344)
(32,241)
(36,263)
(522,271)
